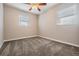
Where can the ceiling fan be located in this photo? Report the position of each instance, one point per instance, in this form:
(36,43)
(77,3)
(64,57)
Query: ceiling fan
(36,6)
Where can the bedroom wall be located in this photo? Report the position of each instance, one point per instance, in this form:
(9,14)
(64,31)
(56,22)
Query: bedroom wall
(12,28)
(63,33)
(1,25)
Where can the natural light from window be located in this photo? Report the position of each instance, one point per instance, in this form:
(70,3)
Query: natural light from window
(23,21)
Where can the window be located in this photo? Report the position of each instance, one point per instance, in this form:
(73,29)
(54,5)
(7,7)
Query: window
(67,15)
(23,21)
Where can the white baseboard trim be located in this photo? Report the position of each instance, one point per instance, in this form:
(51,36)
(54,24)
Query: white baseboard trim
(1,44)
(60,41)
(19,38)
(42,37)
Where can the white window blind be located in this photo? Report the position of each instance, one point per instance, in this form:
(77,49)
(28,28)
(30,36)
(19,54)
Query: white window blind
(23,20)
(67,14)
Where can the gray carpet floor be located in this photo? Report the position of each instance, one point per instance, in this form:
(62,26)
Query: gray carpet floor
(37,46)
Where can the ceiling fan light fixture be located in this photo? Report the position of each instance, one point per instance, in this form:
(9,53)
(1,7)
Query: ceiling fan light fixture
(37,6)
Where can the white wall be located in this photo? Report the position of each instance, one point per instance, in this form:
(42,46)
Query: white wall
(49,29)
(1,24)
(13,30)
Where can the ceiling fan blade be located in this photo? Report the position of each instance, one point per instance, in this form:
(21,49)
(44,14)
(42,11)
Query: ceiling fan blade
(42,4)
(28,3)
(39,9)
(30,9)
